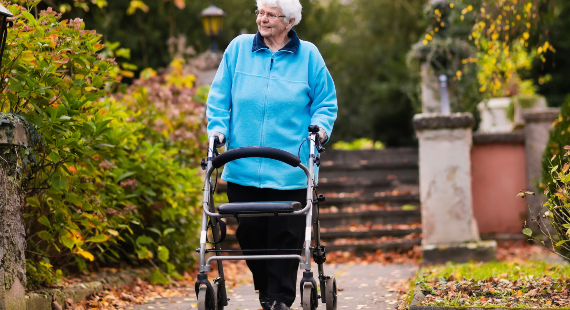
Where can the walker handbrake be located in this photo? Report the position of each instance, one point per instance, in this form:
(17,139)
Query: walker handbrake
(315,129)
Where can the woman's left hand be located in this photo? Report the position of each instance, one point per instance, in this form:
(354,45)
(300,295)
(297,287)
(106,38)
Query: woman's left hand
(322,135)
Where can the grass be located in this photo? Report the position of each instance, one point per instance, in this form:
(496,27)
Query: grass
(511,271)
(515,284)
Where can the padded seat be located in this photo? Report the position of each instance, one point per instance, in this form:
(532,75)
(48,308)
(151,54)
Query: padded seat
(259,207)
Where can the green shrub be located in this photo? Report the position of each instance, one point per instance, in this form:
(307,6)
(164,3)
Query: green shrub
(556,185)
(559,136)
(113,179)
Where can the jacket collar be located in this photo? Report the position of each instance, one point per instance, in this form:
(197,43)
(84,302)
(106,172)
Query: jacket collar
(292,46)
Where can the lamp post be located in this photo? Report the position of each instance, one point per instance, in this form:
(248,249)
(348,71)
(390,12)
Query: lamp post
(213,21)
(4,24)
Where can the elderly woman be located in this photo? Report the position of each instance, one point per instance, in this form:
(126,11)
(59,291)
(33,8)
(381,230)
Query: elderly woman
(268,89)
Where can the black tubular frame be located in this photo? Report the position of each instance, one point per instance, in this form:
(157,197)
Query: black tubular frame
(256,151)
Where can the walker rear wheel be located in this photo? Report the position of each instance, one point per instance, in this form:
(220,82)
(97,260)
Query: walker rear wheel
(308,301)
(330,288)
(217,297)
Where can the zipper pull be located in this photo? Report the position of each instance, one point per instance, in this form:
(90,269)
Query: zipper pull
(271,67)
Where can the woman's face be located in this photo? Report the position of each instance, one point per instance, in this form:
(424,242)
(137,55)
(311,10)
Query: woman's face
(271,28)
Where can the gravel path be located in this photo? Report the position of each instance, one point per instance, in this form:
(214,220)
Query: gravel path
(360,287)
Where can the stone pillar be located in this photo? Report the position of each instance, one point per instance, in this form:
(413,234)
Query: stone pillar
(538,122)
(12,235)
(450,230)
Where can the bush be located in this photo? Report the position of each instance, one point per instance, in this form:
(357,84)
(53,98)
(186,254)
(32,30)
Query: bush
(111,180)
(558,138)
(358,144)
(556,209)
(556,185)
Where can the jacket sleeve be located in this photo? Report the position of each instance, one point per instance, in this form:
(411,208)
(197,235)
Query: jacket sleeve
(219,100)
(324,106)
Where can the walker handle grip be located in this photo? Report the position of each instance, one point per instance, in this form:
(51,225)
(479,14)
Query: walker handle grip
(256,151)
(314,128)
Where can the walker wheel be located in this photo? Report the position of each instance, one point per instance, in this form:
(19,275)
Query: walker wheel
(308,301)
(202,293)
(205,298)
(217,300)
(330,287)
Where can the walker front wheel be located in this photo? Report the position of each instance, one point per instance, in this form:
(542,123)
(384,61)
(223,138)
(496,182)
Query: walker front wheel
(308,301)
(206,300)
(202,301)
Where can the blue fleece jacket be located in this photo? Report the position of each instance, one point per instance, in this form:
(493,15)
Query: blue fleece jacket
(263,99)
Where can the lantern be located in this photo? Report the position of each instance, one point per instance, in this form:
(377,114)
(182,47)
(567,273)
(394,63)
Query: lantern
(4,24)
(213,21)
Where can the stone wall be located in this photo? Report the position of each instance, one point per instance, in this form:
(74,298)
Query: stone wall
(12,234)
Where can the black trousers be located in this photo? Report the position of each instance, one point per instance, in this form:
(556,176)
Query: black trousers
(277,277)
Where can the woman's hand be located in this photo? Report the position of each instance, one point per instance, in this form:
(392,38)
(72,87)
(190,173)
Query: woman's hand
(221,139)
(322,135)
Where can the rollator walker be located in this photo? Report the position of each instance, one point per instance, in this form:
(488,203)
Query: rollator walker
(213,296)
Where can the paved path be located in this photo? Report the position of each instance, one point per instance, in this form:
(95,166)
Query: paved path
(363,287)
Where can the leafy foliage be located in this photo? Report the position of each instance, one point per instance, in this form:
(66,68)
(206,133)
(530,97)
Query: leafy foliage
(106,185)
(358,144)
(153,30)
(501,33)
(556,184)
(550,75)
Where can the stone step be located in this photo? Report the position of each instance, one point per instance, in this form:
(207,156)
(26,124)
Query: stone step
(384,177)
(328,166)
(392,157)
(373,233)
(331,220)
(357,198)
(402,245)
(327,235)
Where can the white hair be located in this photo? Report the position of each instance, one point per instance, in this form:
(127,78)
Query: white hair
(290,8)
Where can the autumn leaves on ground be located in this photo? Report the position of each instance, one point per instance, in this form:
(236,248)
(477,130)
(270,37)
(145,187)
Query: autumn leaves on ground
(140,292)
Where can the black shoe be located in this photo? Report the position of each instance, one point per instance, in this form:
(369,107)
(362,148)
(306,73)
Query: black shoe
(264,300)
(277,305)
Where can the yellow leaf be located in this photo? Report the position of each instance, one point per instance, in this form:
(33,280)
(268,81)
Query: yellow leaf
(136,4)
(28,57)
(84,253)
(128,74)
(113,232)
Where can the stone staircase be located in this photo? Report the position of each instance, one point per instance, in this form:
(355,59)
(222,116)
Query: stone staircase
(372,200)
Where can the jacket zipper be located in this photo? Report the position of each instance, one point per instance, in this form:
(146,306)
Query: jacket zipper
(264,113)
